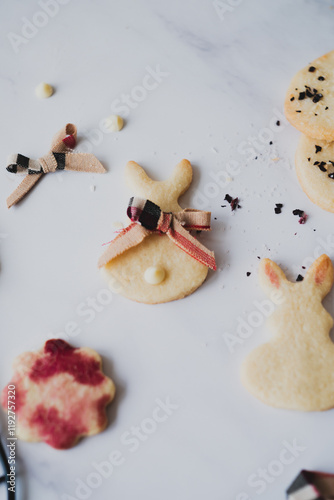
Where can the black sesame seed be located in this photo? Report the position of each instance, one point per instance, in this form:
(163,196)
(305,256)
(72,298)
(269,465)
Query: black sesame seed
(270,143)
(292,99)
(278,210)
(248,273)
(298,212)
(316,163)
(278,123)
(308,159)
(317,149)
(331,176)
(298,111)
(279,205)
(317,98)
(321,78)
(301,96)
(311,69)
(228,198)
(322,166)
(326,108)
(309,93)
(299,277)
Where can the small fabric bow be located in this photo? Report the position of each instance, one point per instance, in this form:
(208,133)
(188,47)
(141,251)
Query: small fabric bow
(148,218)
(311,485)
(59,157)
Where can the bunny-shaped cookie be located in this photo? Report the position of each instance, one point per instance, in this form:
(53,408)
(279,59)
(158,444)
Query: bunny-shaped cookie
(168,252)
(295,369)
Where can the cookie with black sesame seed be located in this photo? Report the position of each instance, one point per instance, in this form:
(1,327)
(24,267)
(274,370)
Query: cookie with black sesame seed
(309,102)
(315,170)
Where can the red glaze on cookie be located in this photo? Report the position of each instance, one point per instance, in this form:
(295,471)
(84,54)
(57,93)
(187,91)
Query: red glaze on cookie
(60,394)
(18,402)
(56,431)
(61,357)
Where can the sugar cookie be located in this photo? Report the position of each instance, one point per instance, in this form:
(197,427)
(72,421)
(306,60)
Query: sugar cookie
(158,237)
(309,102)
(315,171)
(295,369)
(60,394)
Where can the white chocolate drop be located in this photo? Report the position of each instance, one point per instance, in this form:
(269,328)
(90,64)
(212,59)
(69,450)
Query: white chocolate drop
(114,123)
(154,275)
(44,90)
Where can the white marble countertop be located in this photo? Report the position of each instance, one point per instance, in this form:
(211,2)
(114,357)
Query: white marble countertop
(217,93)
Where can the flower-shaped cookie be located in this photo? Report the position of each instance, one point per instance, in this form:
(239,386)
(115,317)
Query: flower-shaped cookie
(60,394)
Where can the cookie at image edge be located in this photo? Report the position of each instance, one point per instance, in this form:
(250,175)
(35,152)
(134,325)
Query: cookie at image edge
(309,103)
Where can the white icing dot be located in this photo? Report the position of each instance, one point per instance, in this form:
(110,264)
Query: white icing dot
(154,275)
(114,123)
(43,90)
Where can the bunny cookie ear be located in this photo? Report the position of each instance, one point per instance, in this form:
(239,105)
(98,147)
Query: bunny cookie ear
(137,179)
(321,275)
(181,178)
(163,193)
(271,275)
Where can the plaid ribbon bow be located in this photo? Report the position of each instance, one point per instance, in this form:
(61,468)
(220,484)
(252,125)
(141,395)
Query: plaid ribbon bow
(148,218)
(311,485)
(59,157)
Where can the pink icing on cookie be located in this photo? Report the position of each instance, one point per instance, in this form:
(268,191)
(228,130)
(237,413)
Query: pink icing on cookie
(18,402)
(60,394)
(54,430)
(274,280)
(321,272)
(61,357)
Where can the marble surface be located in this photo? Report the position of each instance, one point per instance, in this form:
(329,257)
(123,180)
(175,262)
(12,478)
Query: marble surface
(217,91)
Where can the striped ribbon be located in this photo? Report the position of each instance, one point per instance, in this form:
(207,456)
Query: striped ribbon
(60,157)
(311,485)
(147,218)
